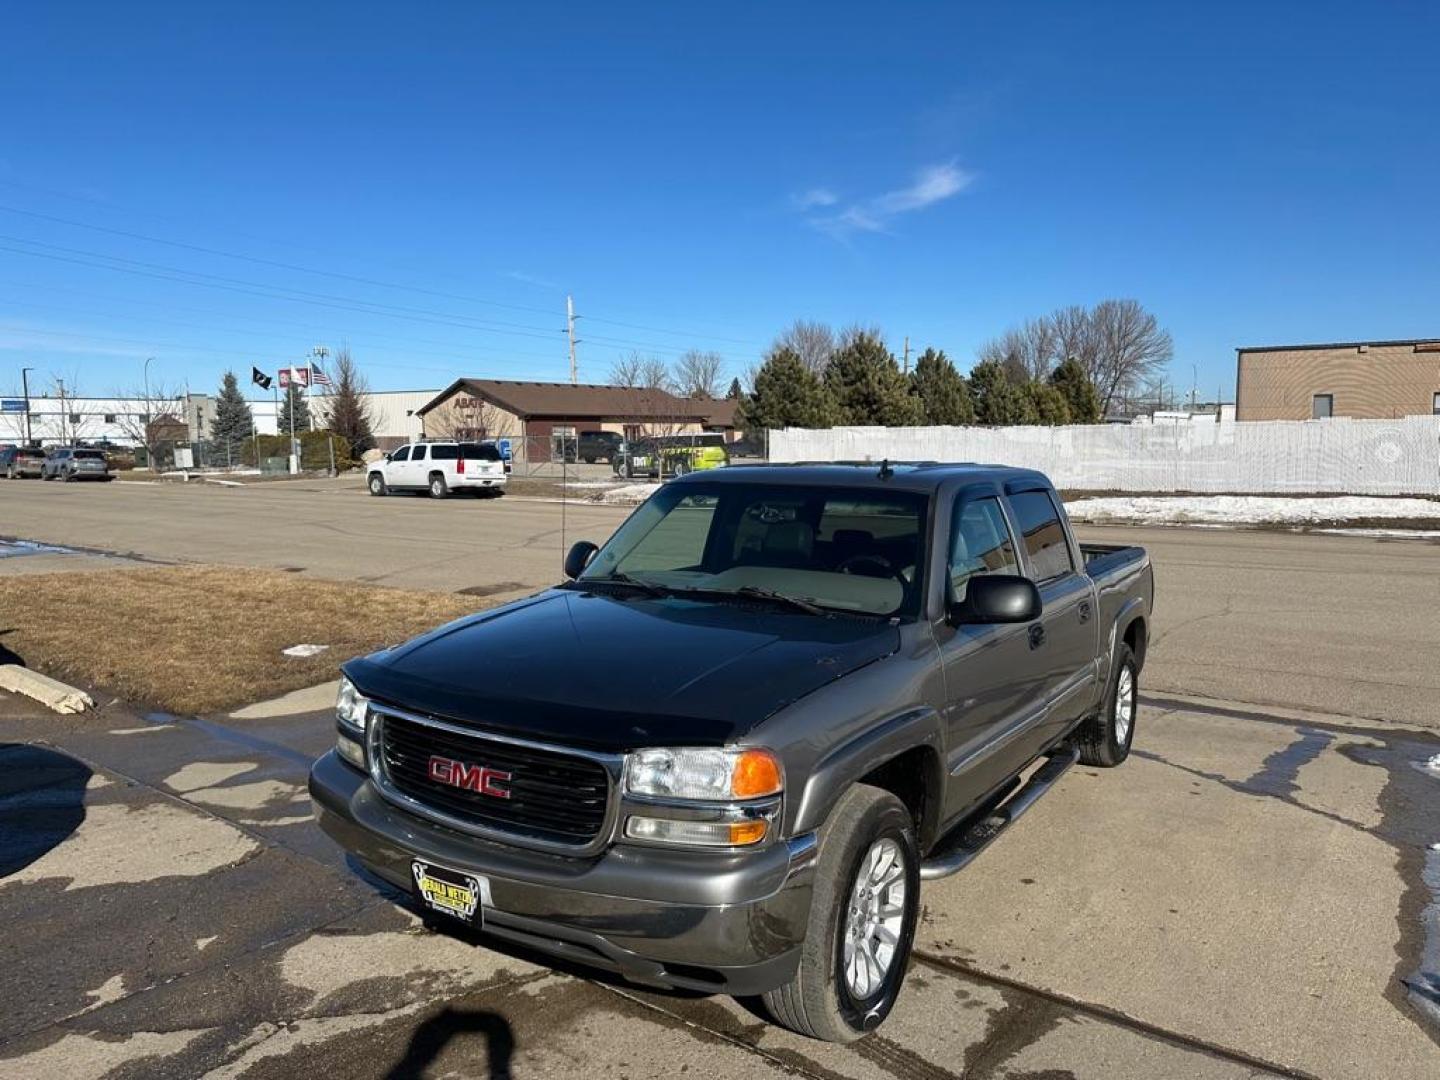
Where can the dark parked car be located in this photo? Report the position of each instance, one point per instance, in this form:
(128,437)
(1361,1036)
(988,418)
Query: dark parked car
(17,462)
(75,463)
(724,755)
(593,446)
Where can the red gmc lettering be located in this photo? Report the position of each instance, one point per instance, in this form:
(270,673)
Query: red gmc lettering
(478,778)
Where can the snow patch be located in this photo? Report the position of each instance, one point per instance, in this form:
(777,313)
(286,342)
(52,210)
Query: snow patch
(304,650)
(629,495)
(1246,509)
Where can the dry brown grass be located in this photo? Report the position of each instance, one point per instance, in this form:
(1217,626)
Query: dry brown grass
(198,639)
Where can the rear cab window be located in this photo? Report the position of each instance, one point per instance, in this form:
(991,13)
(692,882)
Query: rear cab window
(1042,534)
(445,453)
(89,455)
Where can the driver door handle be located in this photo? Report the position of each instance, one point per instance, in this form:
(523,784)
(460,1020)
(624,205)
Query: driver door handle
(1037,635)
(1084,610)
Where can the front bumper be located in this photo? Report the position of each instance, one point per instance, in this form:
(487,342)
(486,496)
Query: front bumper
(711,921)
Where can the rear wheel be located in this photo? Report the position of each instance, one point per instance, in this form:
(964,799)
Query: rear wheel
(1104,739)
(863,910)
(438,488)
(377,484)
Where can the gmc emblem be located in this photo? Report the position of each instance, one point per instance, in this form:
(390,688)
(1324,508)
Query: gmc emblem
(478,778)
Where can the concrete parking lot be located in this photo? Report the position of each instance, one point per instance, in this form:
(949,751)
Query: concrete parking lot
(1252,894)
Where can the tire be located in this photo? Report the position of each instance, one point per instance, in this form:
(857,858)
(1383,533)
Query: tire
(1105,738)
(589,460)
(820,1000)
(376,484)
(438,488)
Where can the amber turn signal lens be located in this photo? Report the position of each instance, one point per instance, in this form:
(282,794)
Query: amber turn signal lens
(756,773)
(747,832)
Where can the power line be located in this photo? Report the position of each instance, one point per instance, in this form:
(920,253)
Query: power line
(159,271)
(359,279)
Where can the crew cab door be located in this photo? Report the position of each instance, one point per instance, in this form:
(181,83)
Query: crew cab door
(1064,643)
(990,693)
(417,472)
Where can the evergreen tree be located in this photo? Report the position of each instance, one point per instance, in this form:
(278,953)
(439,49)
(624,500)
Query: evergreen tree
(349,406)
(735,393)
(867,386)
(233,423)
(1049,403)
(942,392)
(1080,395)
(294,401)
(998,401)
(786,394)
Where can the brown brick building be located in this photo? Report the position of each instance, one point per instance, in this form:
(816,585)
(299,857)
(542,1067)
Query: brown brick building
(1379,380)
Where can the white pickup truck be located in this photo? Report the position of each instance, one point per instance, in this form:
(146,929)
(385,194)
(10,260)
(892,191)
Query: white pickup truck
(439,468)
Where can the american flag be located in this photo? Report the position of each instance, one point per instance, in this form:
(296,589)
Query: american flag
(318,377)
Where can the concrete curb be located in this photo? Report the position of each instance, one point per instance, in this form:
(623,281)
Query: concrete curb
(51,693)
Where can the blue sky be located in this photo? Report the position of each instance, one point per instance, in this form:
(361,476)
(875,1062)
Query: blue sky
(700,177)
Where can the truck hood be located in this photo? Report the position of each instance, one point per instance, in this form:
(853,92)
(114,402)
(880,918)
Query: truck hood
(619,672)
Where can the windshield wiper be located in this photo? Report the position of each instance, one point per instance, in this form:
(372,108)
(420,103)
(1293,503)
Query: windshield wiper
(757,592)
(619,577)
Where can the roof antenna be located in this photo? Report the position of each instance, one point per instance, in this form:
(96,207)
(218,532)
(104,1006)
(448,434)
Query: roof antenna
(885,471)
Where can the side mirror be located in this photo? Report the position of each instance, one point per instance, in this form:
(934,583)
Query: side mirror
(389,457)
(997,598)
(578,558)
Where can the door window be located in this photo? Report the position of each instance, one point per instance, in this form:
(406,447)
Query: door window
(979,544)
(403,454)
(418,454)
(1042,534)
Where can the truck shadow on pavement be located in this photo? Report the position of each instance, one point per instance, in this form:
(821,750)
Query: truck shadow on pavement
(42,802)
(431,1038)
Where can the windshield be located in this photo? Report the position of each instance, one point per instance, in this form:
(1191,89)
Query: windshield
(841,548)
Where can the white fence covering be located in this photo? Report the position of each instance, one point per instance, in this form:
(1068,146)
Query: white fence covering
(1339,456)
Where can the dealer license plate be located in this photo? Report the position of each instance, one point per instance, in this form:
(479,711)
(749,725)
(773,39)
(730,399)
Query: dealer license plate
(451,892)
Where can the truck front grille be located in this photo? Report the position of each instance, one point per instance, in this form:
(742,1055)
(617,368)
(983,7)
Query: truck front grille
(550,796)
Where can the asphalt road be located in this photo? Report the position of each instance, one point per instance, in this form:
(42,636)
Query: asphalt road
(1243,898)
(1252,894)
(1340,624)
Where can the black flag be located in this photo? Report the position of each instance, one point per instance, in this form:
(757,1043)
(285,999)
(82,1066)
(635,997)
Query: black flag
(259,377)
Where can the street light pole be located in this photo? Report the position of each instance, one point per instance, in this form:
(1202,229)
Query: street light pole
(25,387)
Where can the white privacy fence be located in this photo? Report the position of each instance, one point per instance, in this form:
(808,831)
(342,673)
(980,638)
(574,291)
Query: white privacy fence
(1340,456)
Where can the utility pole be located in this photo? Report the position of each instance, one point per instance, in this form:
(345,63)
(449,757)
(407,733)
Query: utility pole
(570,331)
(25,388)
(906,368)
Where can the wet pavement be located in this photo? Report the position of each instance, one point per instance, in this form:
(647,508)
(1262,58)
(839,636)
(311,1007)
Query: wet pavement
(1247,896)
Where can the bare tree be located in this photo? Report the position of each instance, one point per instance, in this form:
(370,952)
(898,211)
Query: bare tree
(1131,348)
(160,415)
(813,342)
(636,369)
(697,374)
(1026,352)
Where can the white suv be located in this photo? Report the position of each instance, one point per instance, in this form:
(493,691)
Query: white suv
(439,468)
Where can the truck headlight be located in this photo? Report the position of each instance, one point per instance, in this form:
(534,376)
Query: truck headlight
(352,713)
(703,773)
(352,708)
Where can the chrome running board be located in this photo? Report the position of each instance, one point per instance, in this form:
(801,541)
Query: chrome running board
(955,851)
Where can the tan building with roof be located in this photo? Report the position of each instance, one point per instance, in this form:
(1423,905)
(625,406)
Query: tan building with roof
(1380,380)
(540,414)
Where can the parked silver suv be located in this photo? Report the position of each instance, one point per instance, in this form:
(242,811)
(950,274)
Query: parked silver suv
(75,463)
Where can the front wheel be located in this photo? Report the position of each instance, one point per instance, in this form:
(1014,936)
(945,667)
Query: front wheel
(863,910)
(377,484)
(1104,739)
(438,488)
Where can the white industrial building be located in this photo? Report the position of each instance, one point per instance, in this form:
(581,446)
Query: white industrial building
(120,421)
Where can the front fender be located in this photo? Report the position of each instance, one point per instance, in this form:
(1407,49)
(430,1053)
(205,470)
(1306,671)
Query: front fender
(915,727)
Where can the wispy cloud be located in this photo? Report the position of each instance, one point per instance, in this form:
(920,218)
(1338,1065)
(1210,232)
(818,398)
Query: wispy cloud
(932,184)
(814,198)
(530,279)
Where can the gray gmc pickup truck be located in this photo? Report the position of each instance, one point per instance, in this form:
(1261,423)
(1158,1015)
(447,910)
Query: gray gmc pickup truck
(725,753)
